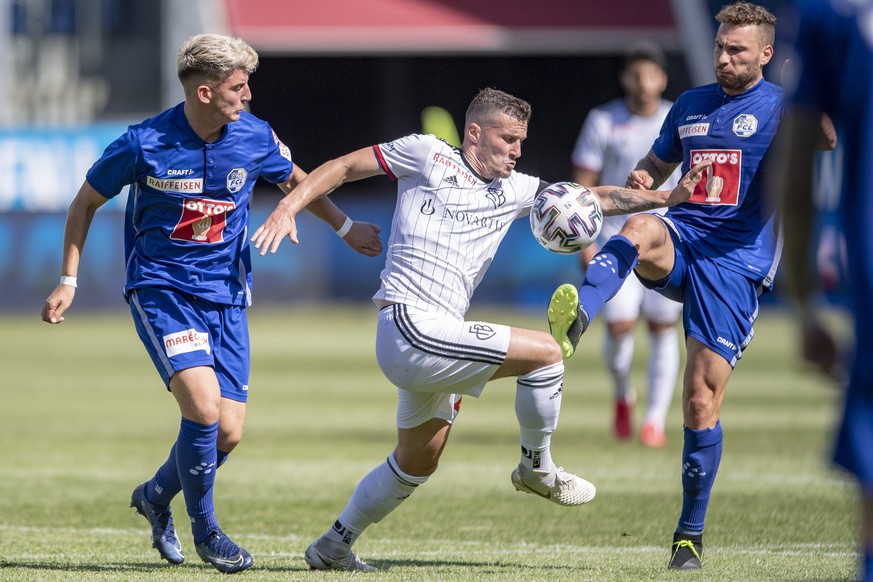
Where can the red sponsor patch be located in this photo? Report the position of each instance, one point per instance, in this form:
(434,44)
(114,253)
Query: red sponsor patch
(202,220)
(721,181)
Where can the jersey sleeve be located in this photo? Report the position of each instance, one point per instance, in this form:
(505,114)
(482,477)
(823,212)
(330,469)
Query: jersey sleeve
(668,146)
(277,165)
(116,168)
(591,143)
(405,155)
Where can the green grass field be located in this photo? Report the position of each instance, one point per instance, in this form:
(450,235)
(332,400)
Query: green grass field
(84,419)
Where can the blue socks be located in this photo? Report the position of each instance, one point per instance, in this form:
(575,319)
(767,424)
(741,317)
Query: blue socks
(701,456)
(165,485)
(197,461)
(606,272)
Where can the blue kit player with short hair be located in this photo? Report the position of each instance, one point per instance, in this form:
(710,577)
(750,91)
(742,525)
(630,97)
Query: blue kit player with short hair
(715,253)
(192,169)
(831,43)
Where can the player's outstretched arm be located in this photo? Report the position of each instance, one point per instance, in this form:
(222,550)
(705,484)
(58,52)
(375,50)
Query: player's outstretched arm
(361,237)
(622,200)
(79,217)
(320,182)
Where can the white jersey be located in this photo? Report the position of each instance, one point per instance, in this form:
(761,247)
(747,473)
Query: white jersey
(447,225)
(611,142)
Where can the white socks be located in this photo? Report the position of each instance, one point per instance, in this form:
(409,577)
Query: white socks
(618,353)
(663,371)
(377,495)
(537,406)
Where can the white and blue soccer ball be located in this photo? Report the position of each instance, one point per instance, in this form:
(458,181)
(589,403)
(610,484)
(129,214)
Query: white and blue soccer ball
(566,218)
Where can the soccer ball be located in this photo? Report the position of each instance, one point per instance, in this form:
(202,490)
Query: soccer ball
(566,218)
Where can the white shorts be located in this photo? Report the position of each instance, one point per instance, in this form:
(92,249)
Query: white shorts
(433,359)
(632,299)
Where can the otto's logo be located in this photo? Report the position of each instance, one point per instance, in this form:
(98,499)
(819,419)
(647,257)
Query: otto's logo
(721,181)
(236,179)
(745,125)
(186,341)
(202,220)
(482,331)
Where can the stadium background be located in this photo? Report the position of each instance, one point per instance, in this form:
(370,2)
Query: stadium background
(334,76)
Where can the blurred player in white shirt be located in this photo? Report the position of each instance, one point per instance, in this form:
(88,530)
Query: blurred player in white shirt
(454,207)
(613,138)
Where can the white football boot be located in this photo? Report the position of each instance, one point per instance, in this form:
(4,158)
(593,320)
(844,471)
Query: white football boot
(557,486)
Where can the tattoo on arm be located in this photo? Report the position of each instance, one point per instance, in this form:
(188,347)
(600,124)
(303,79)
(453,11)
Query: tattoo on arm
(628,200)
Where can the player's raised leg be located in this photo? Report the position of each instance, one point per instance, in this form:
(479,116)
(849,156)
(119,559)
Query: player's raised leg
(570,311)
(535,359)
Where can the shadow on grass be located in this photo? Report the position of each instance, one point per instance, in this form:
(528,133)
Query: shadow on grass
(483,567)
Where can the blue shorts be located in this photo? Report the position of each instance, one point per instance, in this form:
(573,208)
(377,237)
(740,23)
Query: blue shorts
(854,443)
(720,305)
(180,331)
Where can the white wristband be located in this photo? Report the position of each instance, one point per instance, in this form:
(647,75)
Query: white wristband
(67,280)
(345,228)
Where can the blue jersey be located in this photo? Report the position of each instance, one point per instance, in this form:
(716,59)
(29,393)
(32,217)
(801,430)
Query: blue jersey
(186,225)
(725,218)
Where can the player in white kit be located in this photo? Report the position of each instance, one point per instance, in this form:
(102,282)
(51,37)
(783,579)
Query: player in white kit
(613,138)
(454,207)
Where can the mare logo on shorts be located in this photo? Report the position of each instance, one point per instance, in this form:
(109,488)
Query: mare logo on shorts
(186,341)
(482,332)
(202,220)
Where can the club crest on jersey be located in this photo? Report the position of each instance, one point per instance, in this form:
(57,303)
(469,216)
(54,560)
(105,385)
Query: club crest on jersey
(202,220)
(186,341)
(236,179)
(745,125)
(496,196)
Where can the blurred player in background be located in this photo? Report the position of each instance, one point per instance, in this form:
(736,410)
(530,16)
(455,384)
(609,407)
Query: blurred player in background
(454,207)
(831,63)
(191,170)
(614,137)
(716,253)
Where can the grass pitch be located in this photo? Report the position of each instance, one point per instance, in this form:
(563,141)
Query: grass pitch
(85,419)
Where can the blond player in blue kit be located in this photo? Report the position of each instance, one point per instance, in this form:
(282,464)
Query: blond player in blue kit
(191,170)
(453,209)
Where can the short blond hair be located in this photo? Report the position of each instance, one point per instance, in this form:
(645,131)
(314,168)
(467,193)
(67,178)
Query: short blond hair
(214,58)
(745,14)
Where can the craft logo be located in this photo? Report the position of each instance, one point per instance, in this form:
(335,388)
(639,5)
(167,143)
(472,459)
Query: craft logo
(721,181)
(236,179)
(202,220)
(186,341)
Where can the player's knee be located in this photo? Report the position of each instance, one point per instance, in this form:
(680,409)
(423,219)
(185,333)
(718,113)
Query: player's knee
(551,352)
(229,439)
(698,408)
(420,463)
(640,229)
